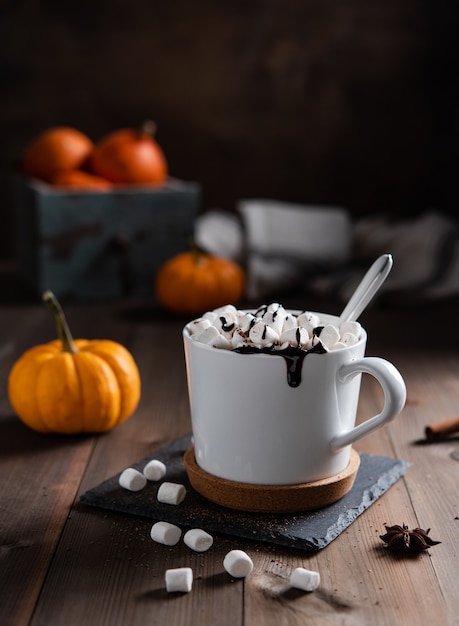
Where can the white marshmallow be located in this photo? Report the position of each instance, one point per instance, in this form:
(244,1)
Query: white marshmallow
(304,579)
(171,493)
(238,340)
(338,346)
(245,320)
(349,339)
(226,320)
(222,342)
(308,320)
(228,310)
(274,317)
(165,533)
(154,470)
(329,335)
(210,315)
(316,340)
(179,579)
(198,326)
(132,479)
(261,335)
(198,540)
(208,336)
(351,327)
(238,564)
(295,337)
(290,321)
(275,307)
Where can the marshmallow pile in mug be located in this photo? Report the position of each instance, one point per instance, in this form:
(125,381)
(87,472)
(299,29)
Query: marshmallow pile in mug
(270,326)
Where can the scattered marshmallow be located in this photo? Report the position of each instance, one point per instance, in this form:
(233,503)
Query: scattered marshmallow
(171,493)
(198,540)
(132,479)
(304,579)
(154,470)
(179,579)
(165,533)
(238,564)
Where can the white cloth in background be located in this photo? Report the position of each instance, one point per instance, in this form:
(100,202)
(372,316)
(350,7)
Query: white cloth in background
(279,244)
(284,245)
(425,251)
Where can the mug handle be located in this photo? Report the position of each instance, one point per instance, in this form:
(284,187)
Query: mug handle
(394,389)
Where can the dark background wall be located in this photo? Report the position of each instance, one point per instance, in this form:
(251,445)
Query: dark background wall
(352,102)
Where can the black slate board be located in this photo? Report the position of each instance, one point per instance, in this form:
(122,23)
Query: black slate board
(309,531)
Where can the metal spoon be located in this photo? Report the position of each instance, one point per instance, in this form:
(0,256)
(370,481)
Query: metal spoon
(367,288)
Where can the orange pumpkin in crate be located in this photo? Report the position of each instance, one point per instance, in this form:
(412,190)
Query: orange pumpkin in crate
(130,156)
(194,282)
(56,149)
(69,387)
(78,180)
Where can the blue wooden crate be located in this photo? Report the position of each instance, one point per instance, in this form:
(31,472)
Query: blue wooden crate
(92,246)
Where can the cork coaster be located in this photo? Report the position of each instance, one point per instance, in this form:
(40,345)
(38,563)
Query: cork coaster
(271,498)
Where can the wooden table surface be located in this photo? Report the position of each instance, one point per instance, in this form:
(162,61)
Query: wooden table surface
(64,563)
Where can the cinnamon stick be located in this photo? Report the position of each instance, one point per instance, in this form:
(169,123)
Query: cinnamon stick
(441,429)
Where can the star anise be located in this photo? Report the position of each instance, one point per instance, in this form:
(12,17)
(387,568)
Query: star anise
(401,538)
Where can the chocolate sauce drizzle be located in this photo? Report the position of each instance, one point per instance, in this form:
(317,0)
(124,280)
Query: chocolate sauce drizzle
(227,328)
(292,356)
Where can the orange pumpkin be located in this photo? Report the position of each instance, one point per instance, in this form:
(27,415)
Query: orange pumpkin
(130,156)
(68,386)
(195,282)
(56,149)
(78,180)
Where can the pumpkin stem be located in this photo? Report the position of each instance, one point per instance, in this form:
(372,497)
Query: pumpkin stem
(61,323)
(149,127)
(197,252)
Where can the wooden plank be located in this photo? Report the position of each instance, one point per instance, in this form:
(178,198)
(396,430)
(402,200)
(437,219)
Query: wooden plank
(35,498)
(433,481)
(41,475)
(111,556)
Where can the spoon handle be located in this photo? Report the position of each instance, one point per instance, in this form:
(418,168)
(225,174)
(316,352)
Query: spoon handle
(367,288)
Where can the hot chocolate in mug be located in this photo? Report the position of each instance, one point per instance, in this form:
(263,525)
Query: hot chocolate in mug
(250,425)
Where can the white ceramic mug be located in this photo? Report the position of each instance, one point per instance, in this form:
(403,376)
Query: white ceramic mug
(250,426)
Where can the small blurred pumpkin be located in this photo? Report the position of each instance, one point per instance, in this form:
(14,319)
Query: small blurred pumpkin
(69,387)
(195,282)
(54,150)
(130,156)
(78,180)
